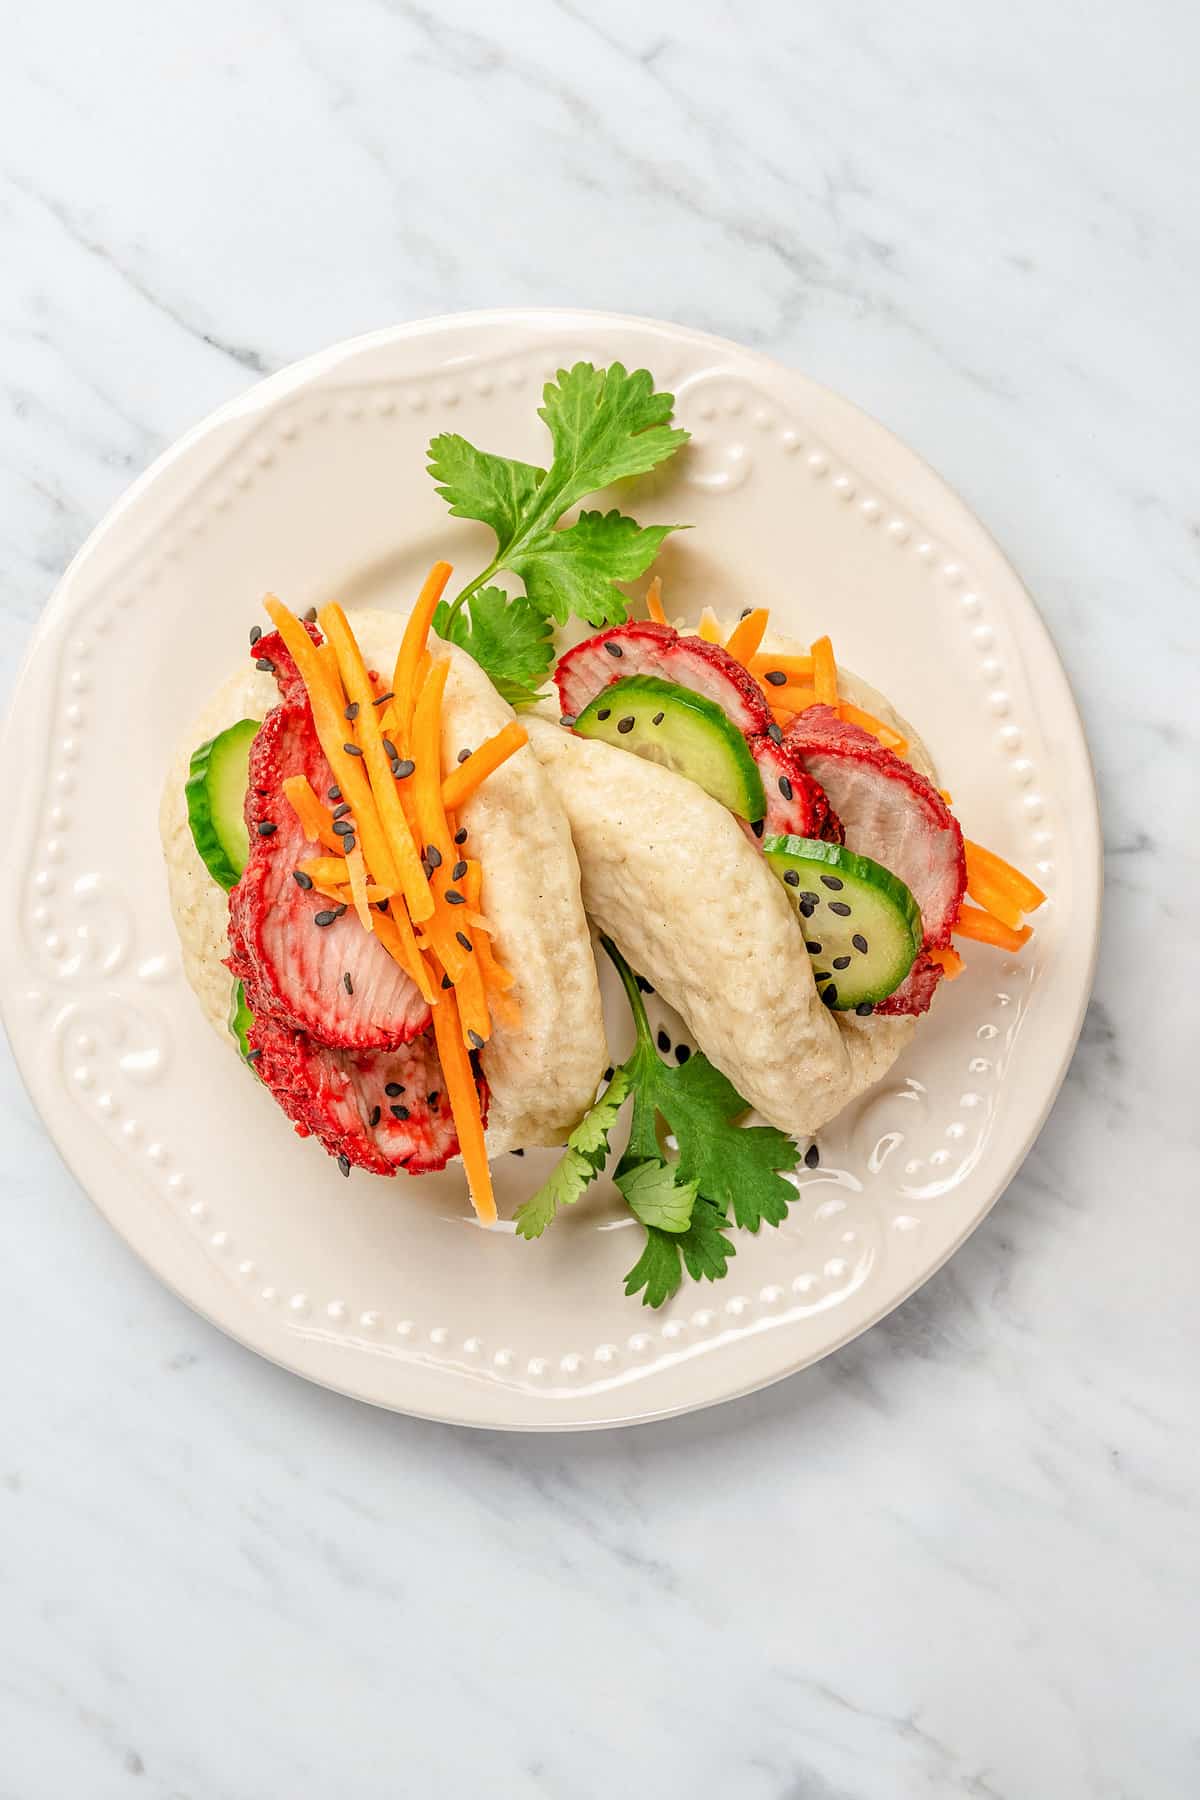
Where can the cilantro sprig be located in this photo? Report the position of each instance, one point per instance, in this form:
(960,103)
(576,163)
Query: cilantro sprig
(724,1174)
(605,425)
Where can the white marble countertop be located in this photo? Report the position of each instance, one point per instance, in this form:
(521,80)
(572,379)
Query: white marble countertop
(960,1557)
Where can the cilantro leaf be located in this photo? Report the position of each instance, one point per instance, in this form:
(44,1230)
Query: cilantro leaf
(586,1155)
(477,485)
(704,1248)
(511,639)
(735,1166)
(657,1196)
(606,424)
(573,571)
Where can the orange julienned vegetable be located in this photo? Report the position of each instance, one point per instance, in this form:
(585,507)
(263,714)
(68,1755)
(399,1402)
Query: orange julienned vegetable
(462,781)
(824,672)
(464,1104)
(313,814)
(369,737)
(994,872)
(709,627)
(985,928)
(747,635)
(791,699)
(472,887)
(854,715)
(424,794)
(395,933)
(951,962)
(796,668)
(328,710)
(406,680)
(654,605)
(359,889)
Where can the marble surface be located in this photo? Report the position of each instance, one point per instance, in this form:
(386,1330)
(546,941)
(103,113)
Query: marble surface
(959,1558)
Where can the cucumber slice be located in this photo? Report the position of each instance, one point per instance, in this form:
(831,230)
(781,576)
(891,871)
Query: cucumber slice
(216,799)
(674,726)
(240,1021)
(862,927)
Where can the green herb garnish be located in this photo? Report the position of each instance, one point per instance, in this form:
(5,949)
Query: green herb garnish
(605,425)
(724,1175)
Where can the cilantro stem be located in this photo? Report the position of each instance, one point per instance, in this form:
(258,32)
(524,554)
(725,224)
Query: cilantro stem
(472,587)
(632,992)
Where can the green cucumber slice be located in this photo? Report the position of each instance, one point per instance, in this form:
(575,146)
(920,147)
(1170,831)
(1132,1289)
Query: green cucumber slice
(240,1021)
(216,797)
(683,731)
(862,927)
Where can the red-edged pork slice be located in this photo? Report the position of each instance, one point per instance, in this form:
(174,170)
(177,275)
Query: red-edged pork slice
(376,1110)
(643,648)
(333,980)
(797,805)
(893,814)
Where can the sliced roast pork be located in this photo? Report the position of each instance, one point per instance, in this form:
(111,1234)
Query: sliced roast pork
(642,647)
(797,805)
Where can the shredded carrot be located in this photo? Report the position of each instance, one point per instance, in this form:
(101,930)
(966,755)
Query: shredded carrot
(328,662)
(791,699)
(424,794)
(782,715)
(369,737)
(796,668)
(824,672)
(494,974)
(747,635)
(654,605)
(854,715)
(333,871)
(709,627)
(313,814)
(984,865)
(407,682)
(328,710)
(395,933)
(947,796)
(951,962)
(462,781)
(464,1104)
(358,888)
(985,928)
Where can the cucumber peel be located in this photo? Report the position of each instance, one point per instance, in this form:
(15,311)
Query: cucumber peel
(682,730)
(862,927)
(215,791)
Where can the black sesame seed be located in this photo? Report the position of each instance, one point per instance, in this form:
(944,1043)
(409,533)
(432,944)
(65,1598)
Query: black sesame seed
(375,1116)
(776,677)
(352,749)
(807,909)
(433,855)
(390,749)
(344,1164)
(464,940)
(339,910)
(324,918)
(335,792)
(840,908)
(658,718)
(255,634)
(454,898)
(427,868)
(813,948)
(347,983)
(567,719)
(301,879)
(812,1157)
(382,905)
(403,767)
(859,942)
(758,827)
(831,881)
(399,1112)
(664,1042)
(311,616)
(434,1096)
(446,982)
(384,698)
(351,712)
(614,649)
(821,975)
(775,732)
(339,812)
(682,1052)
(253,1055)
(864,1009)
(463,755)
(791,877)
(460,837)
(458,871)
(518,1153)
(344,827)
(643,984)
(745,612)
(265,664)
(609,1072)
(393,1089)
(627,724)
(604,713)
(476,1040)
(813,899)
(266,828)
(349,844)
(829,994)
(841,962)
(786,788)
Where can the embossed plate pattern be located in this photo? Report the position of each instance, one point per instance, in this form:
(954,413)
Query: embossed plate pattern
(315,484)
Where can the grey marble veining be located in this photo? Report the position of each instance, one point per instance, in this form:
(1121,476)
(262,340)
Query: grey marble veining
(960,1557)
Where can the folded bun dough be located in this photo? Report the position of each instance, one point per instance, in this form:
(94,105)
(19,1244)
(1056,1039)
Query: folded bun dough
(542,1077)
(673,879)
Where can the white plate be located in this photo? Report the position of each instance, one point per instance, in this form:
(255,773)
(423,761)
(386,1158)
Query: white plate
(314,484)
